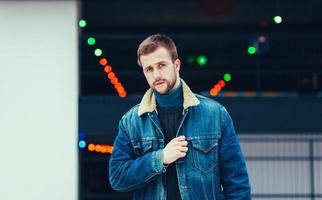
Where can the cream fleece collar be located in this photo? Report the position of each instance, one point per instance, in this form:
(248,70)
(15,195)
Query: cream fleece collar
(148,103)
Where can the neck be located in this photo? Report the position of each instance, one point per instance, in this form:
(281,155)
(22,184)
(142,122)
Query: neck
(173,99)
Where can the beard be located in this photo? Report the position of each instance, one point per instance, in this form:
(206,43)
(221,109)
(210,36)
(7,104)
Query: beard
(165,87)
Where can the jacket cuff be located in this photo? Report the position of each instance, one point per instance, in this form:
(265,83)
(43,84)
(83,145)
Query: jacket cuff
(157,161)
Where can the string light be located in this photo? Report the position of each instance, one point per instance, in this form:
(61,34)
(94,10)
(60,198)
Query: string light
(107,68)
(82,144)
(251,50)
(202,60)
(103,61)
(91,41)
(227,77)
(278,19)
(98,52)
(82,23)
(100,148)
(91,147)
(220,85)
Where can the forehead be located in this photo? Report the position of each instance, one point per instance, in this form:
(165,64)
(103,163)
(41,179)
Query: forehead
(159,55)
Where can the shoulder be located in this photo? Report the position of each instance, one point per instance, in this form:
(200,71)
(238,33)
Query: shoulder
(211,107)
(131,114)
(209,103)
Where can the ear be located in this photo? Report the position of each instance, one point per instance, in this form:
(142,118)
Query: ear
(177,64)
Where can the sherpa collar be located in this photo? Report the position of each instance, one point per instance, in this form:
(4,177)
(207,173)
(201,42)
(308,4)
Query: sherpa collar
(148,103)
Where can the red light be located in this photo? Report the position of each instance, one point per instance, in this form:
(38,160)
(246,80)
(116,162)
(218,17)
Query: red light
(117,85)
(108,69)
(222,83)
(111,75)
(103,61)
(122,94)
(114,81)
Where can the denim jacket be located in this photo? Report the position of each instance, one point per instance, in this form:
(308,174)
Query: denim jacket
(213,168)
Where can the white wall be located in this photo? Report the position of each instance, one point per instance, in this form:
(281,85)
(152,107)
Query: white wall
(38,100)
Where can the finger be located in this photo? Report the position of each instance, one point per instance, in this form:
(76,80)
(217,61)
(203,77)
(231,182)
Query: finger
(182,149)
(181,138)
(177,139)
(182,143)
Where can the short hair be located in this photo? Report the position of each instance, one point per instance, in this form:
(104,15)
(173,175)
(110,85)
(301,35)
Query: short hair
(151,43)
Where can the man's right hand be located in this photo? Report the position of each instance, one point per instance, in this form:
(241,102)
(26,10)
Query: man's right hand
(175,149)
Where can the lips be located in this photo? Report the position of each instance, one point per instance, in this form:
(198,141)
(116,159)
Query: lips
(158,83)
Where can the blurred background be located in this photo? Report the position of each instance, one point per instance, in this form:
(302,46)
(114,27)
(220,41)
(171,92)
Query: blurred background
(68,73)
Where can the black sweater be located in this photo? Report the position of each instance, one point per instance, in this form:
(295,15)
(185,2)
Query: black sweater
(170,119)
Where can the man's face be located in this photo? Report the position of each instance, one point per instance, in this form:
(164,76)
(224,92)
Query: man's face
(159,70)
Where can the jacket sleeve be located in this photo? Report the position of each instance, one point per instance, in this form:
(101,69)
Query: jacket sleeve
(128,172)
(232,166)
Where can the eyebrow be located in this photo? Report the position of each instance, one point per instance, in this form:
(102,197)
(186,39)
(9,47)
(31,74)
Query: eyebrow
(160,62)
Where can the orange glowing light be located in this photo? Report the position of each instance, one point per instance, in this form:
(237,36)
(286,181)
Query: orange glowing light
(91,147)
(104,149)
(101,148)
(118,87)
(111,75)
(120,90)
(97,148)
(122,94)
(109,149)
(217,87)
(114,81)
(213,92)
(108,69)
(103,61)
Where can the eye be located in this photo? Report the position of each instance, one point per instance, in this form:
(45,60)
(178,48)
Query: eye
(148,69)
(161,65)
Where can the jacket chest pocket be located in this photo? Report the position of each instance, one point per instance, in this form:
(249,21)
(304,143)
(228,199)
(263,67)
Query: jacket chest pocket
(144,145)
(204,152)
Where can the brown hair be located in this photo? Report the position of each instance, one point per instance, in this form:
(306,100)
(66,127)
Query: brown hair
(151,43)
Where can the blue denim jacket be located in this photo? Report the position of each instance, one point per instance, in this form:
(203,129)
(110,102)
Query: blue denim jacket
(214,167)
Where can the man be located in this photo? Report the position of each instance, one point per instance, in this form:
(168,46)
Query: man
(176,144)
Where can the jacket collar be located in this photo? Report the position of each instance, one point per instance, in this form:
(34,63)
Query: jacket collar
(148,102)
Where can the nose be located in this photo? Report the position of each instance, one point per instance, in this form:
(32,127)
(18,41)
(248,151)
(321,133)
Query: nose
(157,74)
